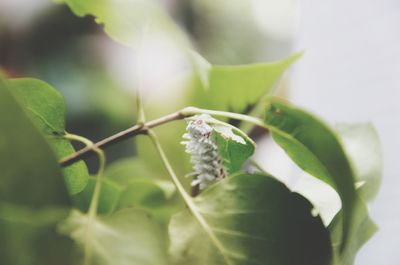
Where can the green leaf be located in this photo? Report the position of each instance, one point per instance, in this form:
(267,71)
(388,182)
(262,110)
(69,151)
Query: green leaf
(108,199)
(234,146)
(26,159)
(362,145)
(141,187)
(236,87)
(126,237)
(45,106)
(130,183)
(363,229)
(315,148)
(129,170)
(125,21)
(28,236)
(31,185)
(324,198)
(256,220)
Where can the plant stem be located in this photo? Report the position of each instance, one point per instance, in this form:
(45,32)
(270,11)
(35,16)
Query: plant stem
(139,99)
(139,103)
(167,165)
(92,211)
(132,131)
(256,165)
(144,127)
(187,199)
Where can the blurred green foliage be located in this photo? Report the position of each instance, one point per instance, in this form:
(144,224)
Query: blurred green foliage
(243,219)
(33,197)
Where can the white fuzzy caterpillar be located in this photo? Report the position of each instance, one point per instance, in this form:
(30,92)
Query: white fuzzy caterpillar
(207,164)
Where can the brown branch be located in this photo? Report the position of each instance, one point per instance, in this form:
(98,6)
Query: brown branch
(132,131)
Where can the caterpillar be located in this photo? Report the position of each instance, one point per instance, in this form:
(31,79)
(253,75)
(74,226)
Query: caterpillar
(207,164)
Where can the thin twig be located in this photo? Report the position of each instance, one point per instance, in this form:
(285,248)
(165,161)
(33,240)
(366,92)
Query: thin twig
(134,130)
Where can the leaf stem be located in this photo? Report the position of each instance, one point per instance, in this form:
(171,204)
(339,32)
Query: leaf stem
(140,109)
(187,199)
(92,211)
(256,165)
(102,162)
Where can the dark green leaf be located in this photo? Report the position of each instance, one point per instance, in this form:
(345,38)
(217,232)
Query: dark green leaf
(31,191)
(324,198)
(256,220)
(28,236)
(317,150)
(30,174)
(45,106)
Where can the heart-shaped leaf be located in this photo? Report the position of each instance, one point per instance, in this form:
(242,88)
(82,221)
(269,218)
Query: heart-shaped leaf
(125,237)
(253,219)
(236,87)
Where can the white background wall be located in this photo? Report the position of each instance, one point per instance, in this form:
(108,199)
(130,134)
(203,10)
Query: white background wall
(351,72)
